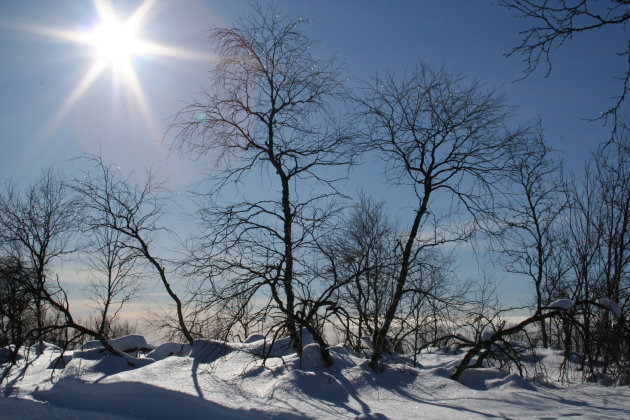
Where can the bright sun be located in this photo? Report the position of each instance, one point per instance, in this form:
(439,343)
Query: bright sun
(115,43)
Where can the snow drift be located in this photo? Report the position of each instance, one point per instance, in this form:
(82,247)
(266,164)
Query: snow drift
(213,379)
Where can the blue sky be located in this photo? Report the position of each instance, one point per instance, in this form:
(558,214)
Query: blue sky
(39,73)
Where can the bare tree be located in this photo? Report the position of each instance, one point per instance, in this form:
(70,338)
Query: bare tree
(438,135)
(131,214)
(270,106)
(583,242)
(596,263)
(38,224)
(497,343)
(529,239)
(211,314)
(432,306)
(612,163)
(114,278)
(17,305)
(613,173)
(66,326)
(363,256)
(556,21)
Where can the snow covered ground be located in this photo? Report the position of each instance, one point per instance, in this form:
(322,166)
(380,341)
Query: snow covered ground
(213,380)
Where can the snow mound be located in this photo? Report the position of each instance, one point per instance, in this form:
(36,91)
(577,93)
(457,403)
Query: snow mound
(344,358)
(317,385)
(37,350)
(258,345)
(18,409)
(60,362)
(97,363)
(312,361)
(127,344)
(564,304)
(170,349)
(227,380)
(311,358)
(134,399)
(207,351)
(610,305)
(488,378)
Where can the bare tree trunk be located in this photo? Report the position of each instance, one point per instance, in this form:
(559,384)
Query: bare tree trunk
(381,334)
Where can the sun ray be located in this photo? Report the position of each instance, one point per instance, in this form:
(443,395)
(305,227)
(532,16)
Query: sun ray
(139,15)
(143,105)
(94,71)
(76,37)
(156,49)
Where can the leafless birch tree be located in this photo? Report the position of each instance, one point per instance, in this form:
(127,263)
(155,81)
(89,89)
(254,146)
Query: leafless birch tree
(440,136)
(112,204)
(530,240)
(270,110)
(38,225)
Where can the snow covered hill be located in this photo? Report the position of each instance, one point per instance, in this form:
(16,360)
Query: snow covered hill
(229,380)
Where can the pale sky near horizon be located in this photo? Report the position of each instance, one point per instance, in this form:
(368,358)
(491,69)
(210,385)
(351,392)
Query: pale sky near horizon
(53,110)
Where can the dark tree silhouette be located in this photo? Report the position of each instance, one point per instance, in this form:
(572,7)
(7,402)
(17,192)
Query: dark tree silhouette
(270,107)
(530,239)
(113,271)
(38,225)
(17,305)
(112,204)
(363,256)
(437,134)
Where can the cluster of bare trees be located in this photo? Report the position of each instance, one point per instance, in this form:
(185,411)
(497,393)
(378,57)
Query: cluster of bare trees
(366,254)
(101,219)
(598,236)
(272,108)
(277,248)
(570,239)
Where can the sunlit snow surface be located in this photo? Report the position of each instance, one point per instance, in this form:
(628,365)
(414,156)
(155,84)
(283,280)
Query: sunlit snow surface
(213,380)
